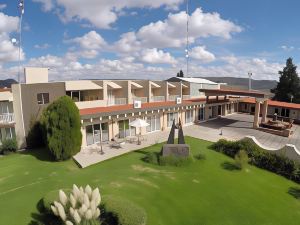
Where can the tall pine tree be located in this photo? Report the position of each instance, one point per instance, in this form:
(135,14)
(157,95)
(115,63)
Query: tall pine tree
(288,87)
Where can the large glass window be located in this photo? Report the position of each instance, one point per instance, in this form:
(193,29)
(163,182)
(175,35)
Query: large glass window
(201,114)
(125,130)
(189,116)
(171,117)
(154,123)
(285,112)
(96,132)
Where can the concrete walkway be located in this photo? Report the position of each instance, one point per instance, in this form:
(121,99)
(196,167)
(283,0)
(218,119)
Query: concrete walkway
(233,127)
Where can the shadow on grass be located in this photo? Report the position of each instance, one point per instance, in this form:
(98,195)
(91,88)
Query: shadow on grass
(42,217)
(230,166)
(295,192)
(200,156)
(40,154)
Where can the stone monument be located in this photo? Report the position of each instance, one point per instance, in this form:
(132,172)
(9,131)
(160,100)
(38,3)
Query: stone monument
(179,150)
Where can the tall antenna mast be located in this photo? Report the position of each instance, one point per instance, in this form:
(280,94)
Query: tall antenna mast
(21,10)
(187,38)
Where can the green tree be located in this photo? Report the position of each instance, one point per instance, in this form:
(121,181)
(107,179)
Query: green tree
(61,123)
(180,74)
(288,87)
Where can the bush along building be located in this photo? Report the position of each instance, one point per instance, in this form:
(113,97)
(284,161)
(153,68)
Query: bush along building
(108,106)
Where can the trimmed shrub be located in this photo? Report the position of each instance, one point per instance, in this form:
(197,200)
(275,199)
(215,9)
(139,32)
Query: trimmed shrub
(174,160)
(9,145)
(241,159)
(151,157)
(61,122)
(119,211)
(278,164)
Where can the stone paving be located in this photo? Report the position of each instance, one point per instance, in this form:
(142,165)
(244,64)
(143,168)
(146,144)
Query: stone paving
(232,127)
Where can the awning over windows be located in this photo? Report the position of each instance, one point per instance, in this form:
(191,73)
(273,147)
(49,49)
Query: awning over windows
(81,85)
(113,85)
(136,85)
(171,85)
(154,85)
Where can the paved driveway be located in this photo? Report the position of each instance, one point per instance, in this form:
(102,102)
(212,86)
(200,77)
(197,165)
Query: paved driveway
(237,126)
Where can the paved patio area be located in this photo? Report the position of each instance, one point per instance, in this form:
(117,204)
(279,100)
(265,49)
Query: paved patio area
(233,127)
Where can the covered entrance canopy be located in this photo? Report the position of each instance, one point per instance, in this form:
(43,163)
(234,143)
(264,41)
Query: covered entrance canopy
(259,96)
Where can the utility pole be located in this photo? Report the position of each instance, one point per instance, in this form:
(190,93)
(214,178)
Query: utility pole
(187,38)
(21,8)
(250,77)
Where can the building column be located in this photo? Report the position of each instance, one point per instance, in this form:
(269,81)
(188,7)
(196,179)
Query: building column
(264,111)
(83,132)
(256,114)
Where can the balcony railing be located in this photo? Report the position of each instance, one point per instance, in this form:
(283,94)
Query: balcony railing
(117,101)
(157,98)
(7,118)
(142,99)
(185,97)
(173,97)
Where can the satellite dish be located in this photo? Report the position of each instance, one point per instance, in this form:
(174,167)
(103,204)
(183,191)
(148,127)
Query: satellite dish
(14,40)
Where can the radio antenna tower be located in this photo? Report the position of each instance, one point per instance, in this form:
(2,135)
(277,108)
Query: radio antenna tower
(21,11)
(187,38)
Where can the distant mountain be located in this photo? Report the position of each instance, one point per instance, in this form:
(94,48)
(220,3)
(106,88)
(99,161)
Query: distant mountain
(7,83)
(243,83)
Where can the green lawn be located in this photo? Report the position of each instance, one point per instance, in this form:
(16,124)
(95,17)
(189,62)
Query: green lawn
(201,193)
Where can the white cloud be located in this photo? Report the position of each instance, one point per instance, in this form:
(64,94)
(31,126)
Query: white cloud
(47,5)
(155,56)
(8,24)
(171,32)
(2,6)
(102,13)
(89,45)
(8,51)
(287,48)
(202,54)
(91,40)
(42,46)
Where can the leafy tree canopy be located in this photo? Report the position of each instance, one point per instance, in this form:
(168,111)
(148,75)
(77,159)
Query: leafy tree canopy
(180,74)
(288,87)
(61,123)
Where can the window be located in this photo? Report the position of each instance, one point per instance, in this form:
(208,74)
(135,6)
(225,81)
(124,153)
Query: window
(171,117)
(189,118)
(285,112)
(96,132)
(43,98)
(125,130)
(276,111)
(154,123)
(201,114)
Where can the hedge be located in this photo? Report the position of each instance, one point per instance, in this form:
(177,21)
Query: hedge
(278,164)
(119,211)
(8,146)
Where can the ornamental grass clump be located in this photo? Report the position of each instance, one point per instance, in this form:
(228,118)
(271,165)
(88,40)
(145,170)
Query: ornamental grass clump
(81,207)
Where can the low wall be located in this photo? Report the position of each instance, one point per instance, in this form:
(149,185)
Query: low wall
(289,150)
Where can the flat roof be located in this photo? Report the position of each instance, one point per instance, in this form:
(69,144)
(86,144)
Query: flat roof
(192,80)
(81,85)
(274,103)
(218,92)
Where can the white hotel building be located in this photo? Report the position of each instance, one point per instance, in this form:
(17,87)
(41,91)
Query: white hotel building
(107,106)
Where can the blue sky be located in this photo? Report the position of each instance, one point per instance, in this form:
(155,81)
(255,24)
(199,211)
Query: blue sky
(146,39)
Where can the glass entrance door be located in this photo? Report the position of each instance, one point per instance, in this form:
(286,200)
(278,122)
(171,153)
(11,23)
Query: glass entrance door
(154,123)
(96,132)
(125,129)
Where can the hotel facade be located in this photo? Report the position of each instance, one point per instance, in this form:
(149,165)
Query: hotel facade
(108,106)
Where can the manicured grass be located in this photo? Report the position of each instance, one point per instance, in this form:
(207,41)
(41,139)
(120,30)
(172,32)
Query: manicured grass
(205,192)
